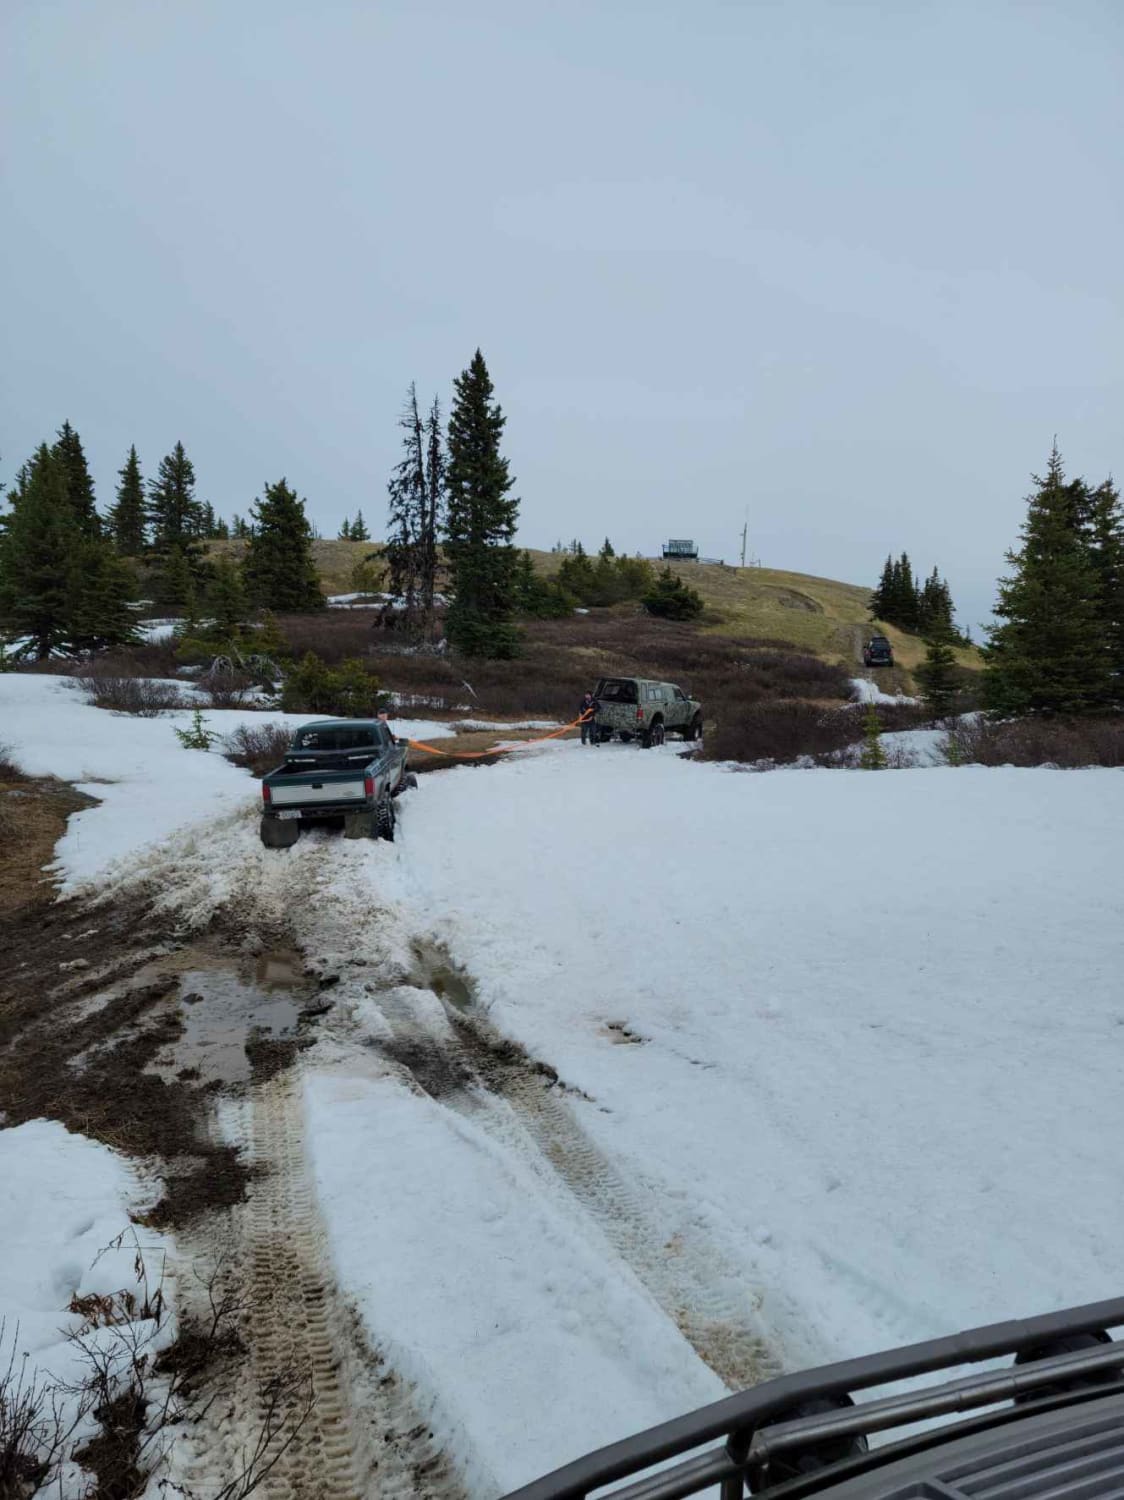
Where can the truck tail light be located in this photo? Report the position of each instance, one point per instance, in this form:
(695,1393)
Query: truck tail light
(640,716)
(266,795)
(368,786)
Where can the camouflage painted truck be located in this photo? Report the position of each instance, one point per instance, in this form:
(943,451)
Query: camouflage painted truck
(341,772)
(638,708)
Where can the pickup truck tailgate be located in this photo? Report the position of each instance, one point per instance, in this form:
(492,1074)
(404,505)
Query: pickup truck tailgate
(306,792)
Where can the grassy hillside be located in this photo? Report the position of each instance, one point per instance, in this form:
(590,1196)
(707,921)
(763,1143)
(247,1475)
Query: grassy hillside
(819,615)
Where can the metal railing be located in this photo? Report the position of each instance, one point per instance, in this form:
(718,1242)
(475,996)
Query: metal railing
(742,1420)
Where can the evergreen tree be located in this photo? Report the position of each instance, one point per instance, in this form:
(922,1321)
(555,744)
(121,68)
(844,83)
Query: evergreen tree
(226,599)
(576,575)
(881,601)
(936,676)
(60,584)
(127,520)
(207,521)
(606,554)
(1052,649)
(359,532)
(1104,529)
(907,602)
(102,584)
(221,532)
(278,570)
(345,531)
(537,597)
(480,521)
(174,584)
(873,755)
(79,485)
(671,599)
(175,514)
(37,556)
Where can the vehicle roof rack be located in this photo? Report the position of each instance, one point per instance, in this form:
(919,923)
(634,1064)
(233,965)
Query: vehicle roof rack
(750,1442)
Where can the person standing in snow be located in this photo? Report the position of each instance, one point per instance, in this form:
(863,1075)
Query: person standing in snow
(586,710)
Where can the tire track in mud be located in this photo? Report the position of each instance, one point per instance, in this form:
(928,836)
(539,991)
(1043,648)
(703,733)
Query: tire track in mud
(362,1437)
(469,1067)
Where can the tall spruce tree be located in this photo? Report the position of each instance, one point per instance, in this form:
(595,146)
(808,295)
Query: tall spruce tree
(1052,649)
(37,556)
(226,600)
(102,585)
(359,532)
(176,515)
(480,521)
(344,534)
(79,485)
(936,676)
(278,570)
(127,521)
(881,601)
(60,583)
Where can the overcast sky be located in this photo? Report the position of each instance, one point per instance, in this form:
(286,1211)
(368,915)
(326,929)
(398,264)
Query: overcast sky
(849,266)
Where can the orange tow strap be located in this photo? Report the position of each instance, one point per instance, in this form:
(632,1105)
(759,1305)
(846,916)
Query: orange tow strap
(499,749)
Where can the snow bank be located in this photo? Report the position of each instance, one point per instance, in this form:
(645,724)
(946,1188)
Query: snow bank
(480,1288)
(867,691)
(146,783)
(63,1201)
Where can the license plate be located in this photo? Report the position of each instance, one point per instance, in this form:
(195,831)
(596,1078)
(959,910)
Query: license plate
(290,812)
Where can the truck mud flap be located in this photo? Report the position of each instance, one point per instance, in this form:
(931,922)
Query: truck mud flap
(359,825)
(280,833)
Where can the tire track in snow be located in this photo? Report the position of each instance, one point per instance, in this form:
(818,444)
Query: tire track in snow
(363,1437)
(467,1066)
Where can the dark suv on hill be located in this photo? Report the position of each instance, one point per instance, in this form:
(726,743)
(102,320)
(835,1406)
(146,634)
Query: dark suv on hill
(878,652)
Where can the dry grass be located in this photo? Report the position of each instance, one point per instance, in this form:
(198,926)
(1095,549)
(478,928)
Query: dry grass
(820,615)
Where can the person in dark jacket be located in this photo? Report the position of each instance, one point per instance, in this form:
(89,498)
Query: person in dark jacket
(587,708)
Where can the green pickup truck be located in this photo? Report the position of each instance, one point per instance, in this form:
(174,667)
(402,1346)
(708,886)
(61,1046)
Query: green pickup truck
(638,708)
(335,771)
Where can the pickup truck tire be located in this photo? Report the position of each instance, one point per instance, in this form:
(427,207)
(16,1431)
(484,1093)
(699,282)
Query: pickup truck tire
(280,833)
(385,816)
(653,735)
(693,730)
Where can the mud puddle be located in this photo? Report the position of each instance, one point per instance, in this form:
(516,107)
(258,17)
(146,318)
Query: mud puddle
(435,970)
(227,1017)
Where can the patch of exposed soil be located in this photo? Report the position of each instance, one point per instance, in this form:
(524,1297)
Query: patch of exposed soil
(33,814)
(89,1005)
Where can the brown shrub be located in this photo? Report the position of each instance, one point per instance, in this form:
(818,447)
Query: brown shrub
(782,732)
(9,770)
(1068,744)
(133,695)
(258,747)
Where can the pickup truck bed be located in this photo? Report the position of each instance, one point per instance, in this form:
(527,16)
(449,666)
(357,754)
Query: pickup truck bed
(345,771)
